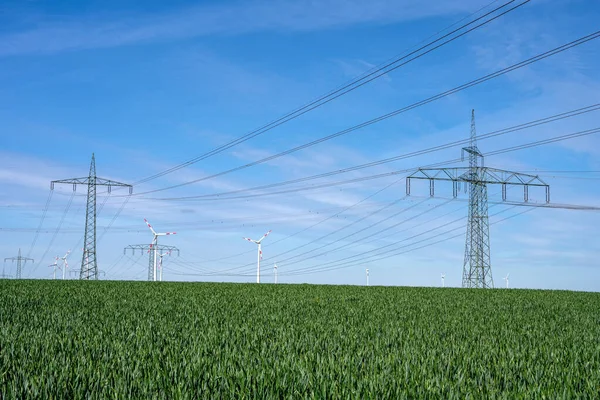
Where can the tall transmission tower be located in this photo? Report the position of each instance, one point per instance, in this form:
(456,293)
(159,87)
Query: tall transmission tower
(160,248)
(89,264)
(20,262)
(477,269)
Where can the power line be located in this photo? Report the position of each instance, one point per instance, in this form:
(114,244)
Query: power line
(114,218)
(348,265)
(512,129)
(318,223)
(563,206)
(334,264)
(342,263)
(386,206)
(350,235)
(221,196)
(355,84)
(55,233)
(225,222)
(360,231)
(37,232)
(457,89)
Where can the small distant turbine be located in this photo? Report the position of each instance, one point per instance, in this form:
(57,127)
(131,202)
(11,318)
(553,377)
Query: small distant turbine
(258,242)
(55,265)
(155,243)
(275,270)
(367,276)
(65,263)
(160,265)
(443,278)
(506,279)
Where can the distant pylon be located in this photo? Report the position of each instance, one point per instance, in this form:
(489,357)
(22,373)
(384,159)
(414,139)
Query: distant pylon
(89,264)
(20,262)
(150,250)
(477,270)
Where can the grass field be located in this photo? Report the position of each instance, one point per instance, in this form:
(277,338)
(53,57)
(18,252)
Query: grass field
(182,340)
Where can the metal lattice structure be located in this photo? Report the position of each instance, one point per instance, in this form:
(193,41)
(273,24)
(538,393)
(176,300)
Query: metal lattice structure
(477,269)
(20,262)
(160,248)
(89,262)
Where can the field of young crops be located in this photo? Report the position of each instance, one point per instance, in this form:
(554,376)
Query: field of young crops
(171,340)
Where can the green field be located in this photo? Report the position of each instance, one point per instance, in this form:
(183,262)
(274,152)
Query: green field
(183,340)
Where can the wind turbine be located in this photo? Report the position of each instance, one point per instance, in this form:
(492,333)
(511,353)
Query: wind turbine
(65,263)
(443,278)
(506,279)
(367,276)
(155,243)
(275,268)
(55,265)
(258,242)
(168,253)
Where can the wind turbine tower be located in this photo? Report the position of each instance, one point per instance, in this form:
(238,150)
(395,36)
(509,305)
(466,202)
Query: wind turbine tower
(65,264)
(258,242)
(54,265)
(160,265)
(89,264)
(154,247)
(506,279)
(275,270)
(443,280)
(367,276)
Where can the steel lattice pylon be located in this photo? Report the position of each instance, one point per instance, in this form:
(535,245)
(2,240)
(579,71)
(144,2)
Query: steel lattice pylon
(89,263)
(20,262)
(477,269)
(148,248)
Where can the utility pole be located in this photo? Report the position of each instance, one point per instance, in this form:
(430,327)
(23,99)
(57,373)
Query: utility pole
(150,249)
(89,264)
(477,269)
(20,262)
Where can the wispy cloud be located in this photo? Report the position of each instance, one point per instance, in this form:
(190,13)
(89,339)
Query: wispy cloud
(52,35)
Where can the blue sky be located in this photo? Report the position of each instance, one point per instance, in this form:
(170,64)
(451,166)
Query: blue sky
(148,88)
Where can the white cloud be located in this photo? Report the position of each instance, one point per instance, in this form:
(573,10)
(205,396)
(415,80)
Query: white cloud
(54,35)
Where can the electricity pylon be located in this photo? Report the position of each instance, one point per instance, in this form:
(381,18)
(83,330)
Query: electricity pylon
(150,249)
(89,264)
(20,262)
(477,269)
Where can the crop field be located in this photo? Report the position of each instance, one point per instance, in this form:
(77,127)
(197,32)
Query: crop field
(77,339)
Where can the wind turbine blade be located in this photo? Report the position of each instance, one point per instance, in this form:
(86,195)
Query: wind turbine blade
(250,240)
(150,226)
(264,236)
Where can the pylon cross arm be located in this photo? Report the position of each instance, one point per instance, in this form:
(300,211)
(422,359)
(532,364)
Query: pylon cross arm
(143,247)
(480,175)
(108,182)
(494,175)
(97,182)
